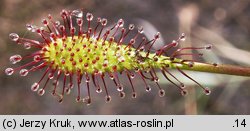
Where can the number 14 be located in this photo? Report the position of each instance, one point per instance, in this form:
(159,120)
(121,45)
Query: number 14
(240,123)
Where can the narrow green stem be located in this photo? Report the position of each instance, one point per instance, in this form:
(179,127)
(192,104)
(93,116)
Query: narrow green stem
(220,69)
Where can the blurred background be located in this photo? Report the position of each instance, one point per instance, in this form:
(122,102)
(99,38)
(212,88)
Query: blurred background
(223,23)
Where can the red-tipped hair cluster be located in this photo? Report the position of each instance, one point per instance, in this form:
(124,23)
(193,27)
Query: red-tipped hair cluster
(80,48)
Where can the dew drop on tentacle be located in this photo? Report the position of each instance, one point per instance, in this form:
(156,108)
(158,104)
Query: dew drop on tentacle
(70,85)
(64,14)
(140,29)
(27,45)
(182,86)
(132,75)
(120,23)
(51,75)
(28,27)
(57,23)
(111,76)
(60,100)
(131,26)
(34,87)
(183,37)
(148,88)
(37,58)
(87,100)
(184,92)
(9,71)
(132,41)
(89,16)
(79,21)
(107,99)
(13,37)
(122,94)
(207,91)
(134,95)
(23,72)
(99,90)
(55,82)
(161,92)
(119,87)
(104,22)
(15,58)
(45,22)
(66,73)
(156,79)
(31,27)
(41,92)
(98,20)
(157,35)
(67,90)
(208,47)
(78,99)
(53,37)
(77,13)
